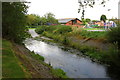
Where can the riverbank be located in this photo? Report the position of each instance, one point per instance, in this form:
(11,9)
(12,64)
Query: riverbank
(55,53)
(26,64)
(92,44)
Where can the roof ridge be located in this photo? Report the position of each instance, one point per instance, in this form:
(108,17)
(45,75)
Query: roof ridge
(66,18)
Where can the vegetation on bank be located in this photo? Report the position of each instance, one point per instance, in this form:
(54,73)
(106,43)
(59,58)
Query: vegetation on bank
(15,29)
(14,21)
(11,66)
(37,56)
(57,73)
(110,56)
(94,29)
(34,20)
(89,34)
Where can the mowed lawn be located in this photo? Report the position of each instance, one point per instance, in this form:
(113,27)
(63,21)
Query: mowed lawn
(10,64)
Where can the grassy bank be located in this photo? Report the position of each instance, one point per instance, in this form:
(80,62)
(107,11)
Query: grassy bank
(88,34)
(11,66)
(57,73)
(19,62)
(110,56)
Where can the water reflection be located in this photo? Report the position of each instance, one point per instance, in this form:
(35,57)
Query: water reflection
(74,66)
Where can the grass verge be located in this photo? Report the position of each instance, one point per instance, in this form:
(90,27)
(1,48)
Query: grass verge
(11,66)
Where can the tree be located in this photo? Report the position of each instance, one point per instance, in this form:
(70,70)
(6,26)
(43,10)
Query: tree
(51,18)
(87,20)
(43,21)
(14,21)
(103,18)
(88,3)
(33,19)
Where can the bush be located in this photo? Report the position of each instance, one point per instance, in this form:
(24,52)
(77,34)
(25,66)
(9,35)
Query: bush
(41,29)
(63,29)
(59,73)
(14,21)
(59,29)
(114,36)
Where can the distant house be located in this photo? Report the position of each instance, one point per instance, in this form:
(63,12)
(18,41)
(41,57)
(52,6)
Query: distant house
(98,23)
(71,22)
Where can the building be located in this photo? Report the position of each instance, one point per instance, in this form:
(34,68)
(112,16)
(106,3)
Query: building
(71,22)
(98,23)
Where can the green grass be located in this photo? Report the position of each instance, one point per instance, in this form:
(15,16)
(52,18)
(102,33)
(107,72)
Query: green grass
(31,28)
(110,57)
(95,35)
(82,32)
(10,64)
(37,56)
(12,68)
(93,29)
(59,73)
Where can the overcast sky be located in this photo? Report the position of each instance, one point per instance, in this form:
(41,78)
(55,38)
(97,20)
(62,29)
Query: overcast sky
(69,9)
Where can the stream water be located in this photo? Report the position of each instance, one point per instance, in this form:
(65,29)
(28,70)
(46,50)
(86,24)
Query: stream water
(74,66)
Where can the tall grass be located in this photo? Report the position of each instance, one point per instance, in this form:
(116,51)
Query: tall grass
(62,35)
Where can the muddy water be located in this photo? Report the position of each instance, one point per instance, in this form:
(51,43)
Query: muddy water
(74,66)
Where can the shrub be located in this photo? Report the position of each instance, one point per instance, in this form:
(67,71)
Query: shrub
(59,29)
(114,36)
(63,29)
(65,40)
(59,73)
(37,56)
(41,29)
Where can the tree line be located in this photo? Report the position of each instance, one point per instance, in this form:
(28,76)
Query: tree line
(35,20)
(15,20)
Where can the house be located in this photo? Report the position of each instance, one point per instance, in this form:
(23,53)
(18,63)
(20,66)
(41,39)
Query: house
(98,23)
(71,22)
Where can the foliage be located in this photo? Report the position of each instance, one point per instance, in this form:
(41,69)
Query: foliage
(93,29)
(59,73)
(37,56)
(41,29)
(84,21)
(114,36)
(58,29)
(103,18)
(43,21)
(95,34)
(110,56)
(87,20)
(14,21)
(89,34)
(51,18)
(88,3)
(62,29)
(33,19)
